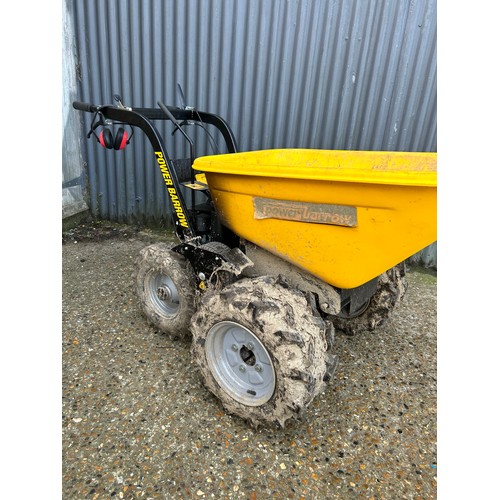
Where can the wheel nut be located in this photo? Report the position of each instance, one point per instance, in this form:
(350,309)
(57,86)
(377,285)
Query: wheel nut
(250,346)
(242,369)
(258,368)
(234,347)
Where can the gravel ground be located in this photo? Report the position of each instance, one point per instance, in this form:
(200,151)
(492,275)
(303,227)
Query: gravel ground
(137,422)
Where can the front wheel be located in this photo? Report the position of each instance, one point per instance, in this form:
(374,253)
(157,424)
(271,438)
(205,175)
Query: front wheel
(166,288)
(260,349)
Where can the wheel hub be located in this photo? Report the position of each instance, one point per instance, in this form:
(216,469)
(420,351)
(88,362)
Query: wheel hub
(247,355)
(240,363)
(164,293)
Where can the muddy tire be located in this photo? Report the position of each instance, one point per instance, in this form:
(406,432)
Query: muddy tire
(166,288)
(261,350)
(391,288)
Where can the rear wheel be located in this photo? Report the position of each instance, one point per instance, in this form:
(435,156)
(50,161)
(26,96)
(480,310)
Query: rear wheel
(165,285)
(391,288)
(261,350)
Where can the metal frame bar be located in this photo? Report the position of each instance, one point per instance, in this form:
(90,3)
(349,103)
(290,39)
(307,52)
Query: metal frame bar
(184,222)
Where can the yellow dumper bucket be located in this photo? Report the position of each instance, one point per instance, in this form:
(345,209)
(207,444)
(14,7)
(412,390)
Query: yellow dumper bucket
(344,216)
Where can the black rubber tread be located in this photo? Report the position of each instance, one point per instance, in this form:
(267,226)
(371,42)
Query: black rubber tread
(158,258)
(391,288)
(294,337)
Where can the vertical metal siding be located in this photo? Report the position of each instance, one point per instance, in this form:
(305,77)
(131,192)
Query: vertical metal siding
(347,74)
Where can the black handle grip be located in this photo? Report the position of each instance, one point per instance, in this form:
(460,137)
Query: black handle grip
(168,113)
(85,106)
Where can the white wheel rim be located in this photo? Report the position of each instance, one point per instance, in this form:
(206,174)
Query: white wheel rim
(240,363)
(163,293)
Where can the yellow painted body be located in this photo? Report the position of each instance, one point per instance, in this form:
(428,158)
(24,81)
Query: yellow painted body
(390,196)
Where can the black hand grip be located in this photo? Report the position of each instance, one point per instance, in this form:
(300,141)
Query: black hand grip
(85,106)
(168,113)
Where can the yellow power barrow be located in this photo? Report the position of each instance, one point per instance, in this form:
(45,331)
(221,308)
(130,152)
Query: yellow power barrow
(277,250)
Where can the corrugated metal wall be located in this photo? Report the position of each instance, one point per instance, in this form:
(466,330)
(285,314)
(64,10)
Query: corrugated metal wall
(347,74)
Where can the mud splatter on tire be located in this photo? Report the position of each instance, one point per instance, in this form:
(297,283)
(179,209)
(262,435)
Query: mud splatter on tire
(166,288)
(391,288)
(283,322)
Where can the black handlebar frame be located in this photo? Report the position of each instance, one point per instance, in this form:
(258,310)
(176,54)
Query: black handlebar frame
(185,227)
